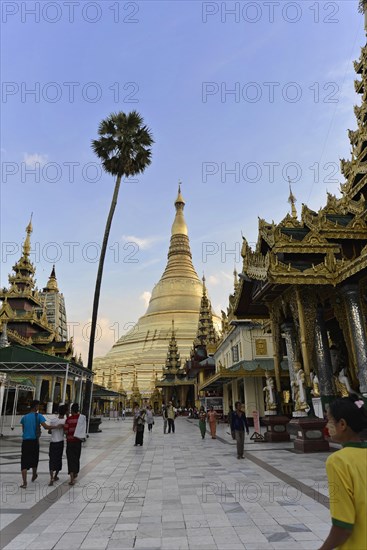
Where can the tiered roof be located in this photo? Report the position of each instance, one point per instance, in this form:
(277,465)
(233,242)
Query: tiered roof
(326,247)
(24,312)
(206,336)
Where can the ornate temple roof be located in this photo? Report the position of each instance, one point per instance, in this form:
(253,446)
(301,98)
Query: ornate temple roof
(24,309)
(319,248)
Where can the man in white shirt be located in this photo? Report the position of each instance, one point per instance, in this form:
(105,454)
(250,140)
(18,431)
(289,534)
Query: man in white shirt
(57,443)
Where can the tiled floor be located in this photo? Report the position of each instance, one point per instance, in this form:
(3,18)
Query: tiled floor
(176,492)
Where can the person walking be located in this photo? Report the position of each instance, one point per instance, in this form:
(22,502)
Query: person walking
(212,420)
(202,421)
(138,426)
(56,444)
(150,418)
(73,444)
(31,428)
(171,418)
(165,418)
(229,420)
(238,426)
(347,475)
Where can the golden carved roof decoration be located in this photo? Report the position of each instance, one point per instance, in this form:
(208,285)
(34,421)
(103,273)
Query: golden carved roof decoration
(292,201)
(52,282)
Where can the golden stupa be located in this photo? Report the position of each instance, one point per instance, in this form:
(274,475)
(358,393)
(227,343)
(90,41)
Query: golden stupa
(176,297)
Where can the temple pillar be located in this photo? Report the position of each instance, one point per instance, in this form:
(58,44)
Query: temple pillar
(274,333)
(37,394)
(51,395)
(2,391)
(290,342)
(323,358)
(225,400)
(234,392)
(250,396)
(357,326)
(302,327)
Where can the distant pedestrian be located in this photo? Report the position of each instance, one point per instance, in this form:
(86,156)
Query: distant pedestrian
(150,418)
(123,414)
(165,418)
(202,421)
(212,420)
(56,444)
(347,475)
(31,426)
(138,426)
(239,424)
(73,444)
(229,420)
(171,418)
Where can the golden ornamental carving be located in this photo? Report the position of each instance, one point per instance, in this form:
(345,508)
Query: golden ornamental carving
(290,222)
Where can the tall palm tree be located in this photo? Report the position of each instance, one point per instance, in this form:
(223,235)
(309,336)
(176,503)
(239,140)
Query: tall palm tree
(124,147)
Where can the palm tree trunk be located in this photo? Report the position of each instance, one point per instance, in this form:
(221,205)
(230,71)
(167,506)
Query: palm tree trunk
(97,291)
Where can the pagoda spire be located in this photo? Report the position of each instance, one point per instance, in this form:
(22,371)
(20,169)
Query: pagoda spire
(173,361)
(22,282)
(135,392)
(27,242)
(179,226)
(292,201)
(354,170)
(179,254)
(52,282)
(206,335)
(363,9)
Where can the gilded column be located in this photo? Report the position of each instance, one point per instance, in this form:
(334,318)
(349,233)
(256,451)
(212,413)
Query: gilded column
(358,332)
(302,327)
(323,358)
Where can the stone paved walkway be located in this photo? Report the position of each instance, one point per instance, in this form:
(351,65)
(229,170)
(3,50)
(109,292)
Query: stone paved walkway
(176,492)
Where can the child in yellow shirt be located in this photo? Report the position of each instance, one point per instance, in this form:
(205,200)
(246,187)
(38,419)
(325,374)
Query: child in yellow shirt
(347,476)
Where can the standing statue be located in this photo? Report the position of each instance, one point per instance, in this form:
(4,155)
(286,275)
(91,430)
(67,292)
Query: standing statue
(343,385)
(298,389)
(315,392)
(269,393)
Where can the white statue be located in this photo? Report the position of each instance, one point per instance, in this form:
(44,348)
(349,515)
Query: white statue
(298,389)
(315,384)
(343,384)
(269,393)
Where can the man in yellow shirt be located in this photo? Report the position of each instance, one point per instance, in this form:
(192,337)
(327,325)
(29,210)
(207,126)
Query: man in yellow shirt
(347,475)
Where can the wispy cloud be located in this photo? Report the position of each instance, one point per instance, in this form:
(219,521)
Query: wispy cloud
(145,297)
(31,159)
(143,242)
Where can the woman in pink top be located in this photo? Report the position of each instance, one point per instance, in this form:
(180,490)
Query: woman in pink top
(212,420)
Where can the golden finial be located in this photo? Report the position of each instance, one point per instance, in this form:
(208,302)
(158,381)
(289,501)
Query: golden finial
(179,199)
(27,242)
(204,286)
(292,200)
(179,225)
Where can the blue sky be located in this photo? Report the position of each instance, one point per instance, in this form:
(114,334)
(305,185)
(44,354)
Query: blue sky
(291,77)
